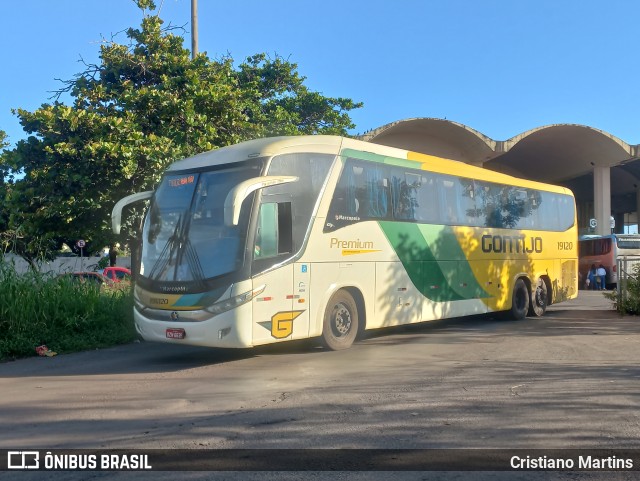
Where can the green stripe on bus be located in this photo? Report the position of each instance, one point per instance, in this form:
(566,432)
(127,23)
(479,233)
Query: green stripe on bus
(381,159)
(415,246)
(443,240)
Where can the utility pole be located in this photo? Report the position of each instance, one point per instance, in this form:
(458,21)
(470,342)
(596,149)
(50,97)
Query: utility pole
(194,28)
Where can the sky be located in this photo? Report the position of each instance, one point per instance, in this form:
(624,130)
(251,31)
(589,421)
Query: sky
(501,67)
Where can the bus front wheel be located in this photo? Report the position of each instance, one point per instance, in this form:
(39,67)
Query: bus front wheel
(340,325)
(519,300)
(538,305)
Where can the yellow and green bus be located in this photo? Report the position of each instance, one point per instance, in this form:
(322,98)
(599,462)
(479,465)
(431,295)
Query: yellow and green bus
(322,236)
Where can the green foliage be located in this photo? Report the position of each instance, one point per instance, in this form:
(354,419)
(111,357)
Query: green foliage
(67,317)
(629,302)
(32,248)
(103,263)
(146,4)
(4,179)
(143,106)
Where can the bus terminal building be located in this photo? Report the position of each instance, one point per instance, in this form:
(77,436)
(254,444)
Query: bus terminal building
(602,170)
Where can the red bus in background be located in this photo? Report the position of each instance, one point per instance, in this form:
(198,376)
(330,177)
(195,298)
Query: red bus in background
(605,250)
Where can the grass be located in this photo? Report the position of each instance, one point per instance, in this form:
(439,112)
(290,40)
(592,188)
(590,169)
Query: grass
(37,309)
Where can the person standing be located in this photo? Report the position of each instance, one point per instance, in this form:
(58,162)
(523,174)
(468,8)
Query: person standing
(602,275)
(592,276)
(113,255)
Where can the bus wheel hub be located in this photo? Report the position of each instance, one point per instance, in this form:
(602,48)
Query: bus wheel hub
(342,319)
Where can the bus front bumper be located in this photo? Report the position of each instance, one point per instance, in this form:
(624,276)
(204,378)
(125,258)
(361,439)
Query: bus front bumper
(231,329)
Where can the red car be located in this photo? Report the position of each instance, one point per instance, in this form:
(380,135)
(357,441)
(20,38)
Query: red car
(117,274)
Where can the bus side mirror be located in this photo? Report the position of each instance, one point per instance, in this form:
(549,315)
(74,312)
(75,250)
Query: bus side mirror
(240,192)
(116,213)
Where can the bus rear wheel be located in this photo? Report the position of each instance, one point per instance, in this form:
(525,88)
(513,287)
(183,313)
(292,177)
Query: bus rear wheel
(538,304)
(519,300)
(340,325)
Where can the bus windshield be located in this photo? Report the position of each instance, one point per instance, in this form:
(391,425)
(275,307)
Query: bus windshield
(184,235)
(629,242)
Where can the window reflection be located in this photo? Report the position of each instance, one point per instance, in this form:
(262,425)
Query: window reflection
(376,191)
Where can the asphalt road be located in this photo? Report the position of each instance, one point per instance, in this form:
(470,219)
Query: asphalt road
(568,380)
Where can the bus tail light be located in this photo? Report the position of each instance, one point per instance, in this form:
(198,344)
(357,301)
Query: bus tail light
(614,268)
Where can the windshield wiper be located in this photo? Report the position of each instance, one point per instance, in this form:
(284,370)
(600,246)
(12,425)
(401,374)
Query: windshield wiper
(193,262)
(177,248)
(166,256)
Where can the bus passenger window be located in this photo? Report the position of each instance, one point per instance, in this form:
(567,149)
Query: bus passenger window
(469,214)
(274,234)
(448,200)
(346,196)
(267,233)
(427,209)
(376,193)
(404,195)
(362,192)
(285,228)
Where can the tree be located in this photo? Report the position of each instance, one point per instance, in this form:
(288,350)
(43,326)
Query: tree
(4,179)
(12,236)
(143,106)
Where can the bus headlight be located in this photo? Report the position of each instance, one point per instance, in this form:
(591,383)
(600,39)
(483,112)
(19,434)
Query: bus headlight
(227,305)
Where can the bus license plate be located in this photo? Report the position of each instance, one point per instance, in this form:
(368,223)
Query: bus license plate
(176,334)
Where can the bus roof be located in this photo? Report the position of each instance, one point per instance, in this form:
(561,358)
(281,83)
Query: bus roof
(606,236)
(267,147)
(334,145)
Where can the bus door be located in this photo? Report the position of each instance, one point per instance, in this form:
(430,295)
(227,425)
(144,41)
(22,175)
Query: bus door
(272,318)
(281,312)
(276,310)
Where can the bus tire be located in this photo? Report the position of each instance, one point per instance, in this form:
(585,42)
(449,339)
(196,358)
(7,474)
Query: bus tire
(519,301)
(538,303)
(340,324)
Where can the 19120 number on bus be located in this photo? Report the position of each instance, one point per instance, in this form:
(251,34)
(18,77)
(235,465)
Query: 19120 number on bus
(565,246)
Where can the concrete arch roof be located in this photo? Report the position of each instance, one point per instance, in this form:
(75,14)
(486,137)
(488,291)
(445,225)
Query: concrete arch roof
(551,153)
(440,137)
(561,151)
